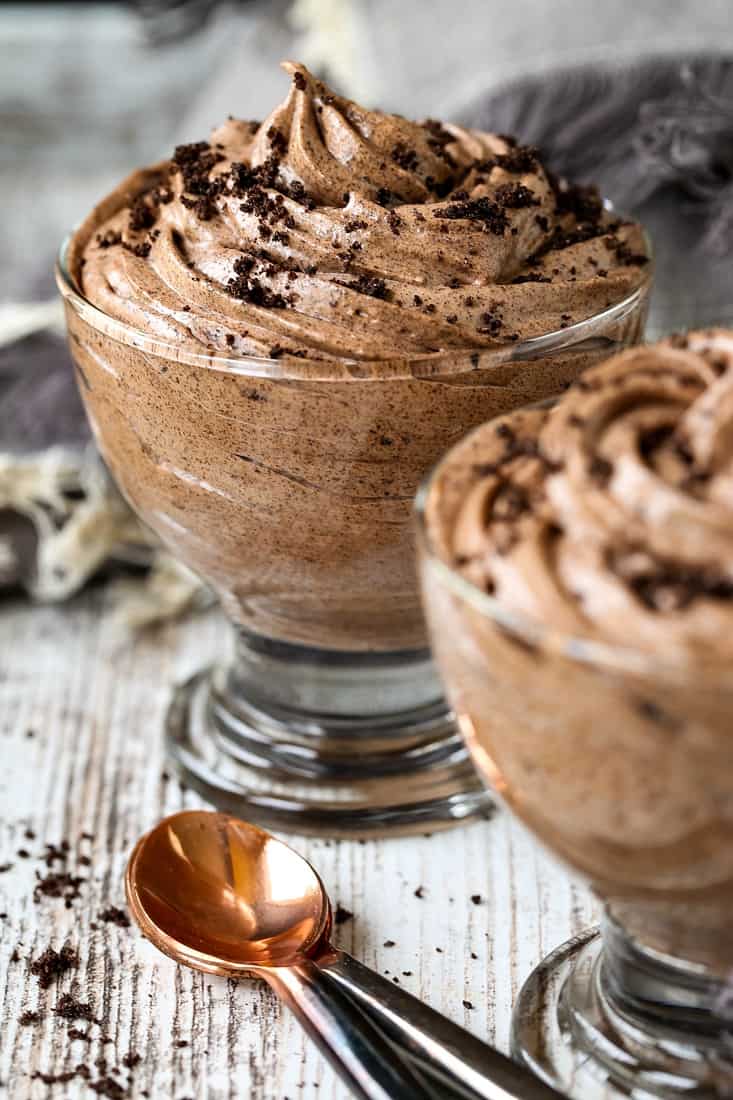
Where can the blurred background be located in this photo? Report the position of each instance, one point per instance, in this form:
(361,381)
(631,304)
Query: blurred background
(90,90)
(634,94)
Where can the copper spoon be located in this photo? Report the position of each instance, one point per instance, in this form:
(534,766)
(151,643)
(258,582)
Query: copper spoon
(225,897)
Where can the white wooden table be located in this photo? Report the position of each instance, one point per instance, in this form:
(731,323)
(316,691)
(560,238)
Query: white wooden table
(81,712)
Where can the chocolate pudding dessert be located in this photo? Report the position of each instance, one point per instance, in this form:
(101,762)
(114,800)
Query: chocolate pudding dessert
(578,579)
(295,318)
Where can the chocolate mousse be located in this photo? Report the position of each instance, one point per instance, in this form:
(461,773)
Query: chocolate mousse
(363,287)
(331,231)
(593,683)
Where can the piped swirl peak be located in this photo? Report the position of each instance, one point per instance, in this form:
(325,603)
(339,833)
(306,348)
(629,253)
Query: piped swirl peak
(609,516)
(333,147)
(330,231)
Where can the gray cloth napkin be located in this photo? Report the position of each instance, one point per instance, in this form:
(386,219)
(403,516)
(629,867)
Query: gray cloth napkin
(62,521)
(656,135)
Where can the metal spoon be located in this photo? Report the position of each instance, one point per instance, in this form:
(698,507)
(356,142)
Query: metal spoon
(225,897)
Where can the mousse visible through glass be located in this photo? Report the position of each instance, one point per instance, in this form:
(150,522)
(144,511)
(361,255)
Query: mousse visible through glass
(362,288)
(577,567)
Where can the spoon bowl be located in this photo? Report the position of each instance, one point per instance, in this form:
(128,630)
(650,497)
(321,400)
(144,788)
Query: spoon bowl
(224,896)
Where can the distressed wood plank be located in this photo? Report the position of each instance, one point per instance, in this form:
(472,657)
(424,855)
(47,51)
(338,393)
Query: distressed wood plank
(95,703)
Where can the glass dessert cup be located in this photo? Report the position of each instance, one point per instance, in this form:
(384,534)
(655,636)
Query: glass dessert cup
(622,767)
(287,485)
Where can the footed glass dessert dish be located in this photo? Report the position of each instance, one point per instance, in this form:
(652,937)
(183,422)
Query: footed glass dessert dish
(276,334)
(576,565)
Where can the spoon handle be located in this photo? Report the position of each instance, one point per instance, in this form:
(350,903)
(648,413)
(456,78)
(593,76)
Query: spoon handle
(357,1050)
(460,1060)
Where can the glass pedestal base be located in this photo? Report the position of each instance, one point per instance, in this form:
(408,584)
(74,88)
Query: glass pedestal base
(600,1018)
(330,744)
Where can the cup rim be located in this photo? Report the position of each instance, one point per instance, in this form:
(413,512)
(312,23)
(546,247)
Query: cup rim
(580,648)
(435,365)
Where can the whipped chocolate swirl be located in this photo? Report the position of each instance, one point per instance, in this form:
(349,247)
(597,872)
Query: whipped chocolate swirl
(329,231)
(610,516)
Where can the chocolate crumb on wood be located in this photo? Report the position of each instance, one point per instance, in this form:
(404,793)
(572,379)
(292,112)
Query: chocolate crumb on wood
(52,964)
(114,915)
(341,915)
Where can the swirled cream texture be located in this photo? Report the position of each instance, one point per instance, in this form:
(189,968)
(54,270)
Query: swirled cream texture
(332,231)
(611,515)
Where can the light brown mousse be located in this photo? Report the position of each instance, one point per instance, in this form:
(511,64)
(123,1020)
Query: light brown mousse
(605,521)
(332,231)
(384,274)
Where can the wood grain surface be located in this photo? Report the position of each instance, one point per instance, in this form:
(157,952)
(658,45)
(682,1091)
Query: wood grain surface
(81,710)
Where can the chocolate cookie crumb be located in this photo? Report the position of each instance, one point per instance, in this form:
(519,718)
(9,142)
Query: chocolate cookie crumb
(394,221)
(55,853)
(70,1008)
(141,250)
(519,160)
(53,964)
(250,289)
(109,1087)
(141,215)
(58,884)
(420,892)
(342,915)
(489,214)
(515,196)
(406,158)
(107,240)
(77,1033)
(26,1019)
(490,325)
(113,915)
(372,286)
(583,202)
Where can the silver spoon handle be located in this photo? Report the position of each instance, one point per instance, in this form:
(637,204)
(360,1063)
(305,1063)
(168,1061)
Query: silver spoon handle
(460,1060)
(356,1049)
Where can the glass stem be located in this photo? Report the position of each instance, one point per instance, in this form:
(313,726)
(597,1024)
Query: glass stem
(675,997)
